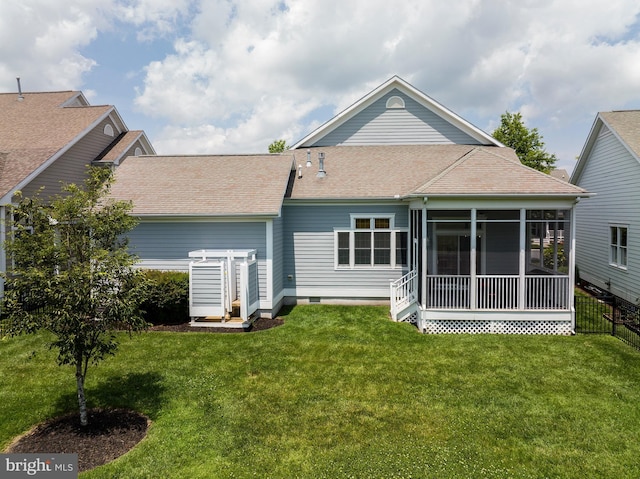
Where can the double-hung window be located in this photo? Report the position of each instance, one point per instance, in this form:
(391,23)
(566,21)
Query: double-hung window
(618,246)
(372,241)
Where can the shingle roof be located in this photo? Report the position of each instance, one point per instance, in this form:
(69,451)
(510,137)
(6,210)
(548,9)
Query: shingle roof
(221,185)
(120,145)
(627,125)
(36,128)
(401,171)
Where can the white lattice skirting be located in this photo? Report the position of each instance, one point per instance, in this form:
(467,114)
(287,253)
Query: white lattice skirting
(497,327)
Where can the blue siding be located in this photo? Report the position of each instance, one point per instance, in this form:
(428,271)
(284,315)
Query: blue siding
(377,125)
(309,251)
(165,245)
(613,174)
(278,251)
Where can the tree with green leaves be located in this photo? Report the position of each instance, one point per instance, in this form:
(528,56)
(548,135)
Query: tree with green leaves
(278,146)
(526,142)
(71,273)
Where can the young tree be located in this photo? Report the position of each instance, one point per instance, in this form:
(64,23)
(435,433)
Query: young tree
(278,146)
(526,142)
(72,275)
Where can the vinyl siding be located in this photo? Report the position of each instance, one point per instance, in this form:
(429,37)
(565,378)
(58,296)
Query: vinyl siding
(70,167)
(309,252)
(378,125)
(278,251)
(613,174)
(166,245)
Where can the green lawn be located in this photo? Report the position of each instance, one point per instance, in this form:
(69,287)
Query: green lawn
(344,392)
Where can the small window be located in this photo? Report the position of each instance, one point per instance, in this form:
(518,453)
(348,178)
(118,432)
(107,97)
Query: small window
(395,102)
(108,130)
(618,246)
(138,151)
(371,242)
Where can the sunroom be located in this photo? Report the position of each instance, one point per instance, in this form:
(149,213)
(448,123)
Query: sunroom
(489,269)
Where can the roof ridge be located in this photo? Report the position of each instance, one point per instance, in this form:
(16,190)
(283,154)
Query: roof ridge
(446,171)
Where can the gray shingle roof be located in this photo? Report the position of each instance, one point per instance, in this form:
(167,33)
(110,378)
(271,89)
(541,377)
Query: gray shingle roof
(400,171)
(36,128)
(627,125)
(220,185)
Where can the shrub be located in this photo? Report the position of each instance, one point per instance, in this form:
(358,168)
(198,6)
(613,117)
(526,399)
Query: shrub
(168,300)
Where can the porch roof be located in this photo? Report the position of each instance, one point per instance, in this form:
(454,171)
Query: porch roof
(402,171)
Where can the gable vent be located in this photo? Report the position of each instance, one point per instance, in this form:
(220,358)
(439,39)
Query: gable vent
(395,102)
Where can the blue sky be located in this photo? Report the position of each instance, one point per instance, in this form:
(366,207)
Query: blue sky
(230,76)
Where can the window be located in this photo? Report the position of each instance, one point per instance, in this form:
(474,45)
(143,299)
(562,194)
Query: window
(618,246)
(108,130)
(371,242)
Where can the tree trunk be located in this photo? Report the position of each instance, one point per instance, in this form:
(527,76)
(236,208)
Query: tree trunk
(82,402)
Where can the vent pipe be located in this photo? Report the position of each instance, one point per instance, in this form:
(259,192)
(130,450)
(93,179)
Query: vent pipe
(321,172)
(20,96)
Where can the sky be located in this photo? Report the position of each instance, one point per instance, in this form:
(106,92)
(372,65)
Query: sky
(231,76)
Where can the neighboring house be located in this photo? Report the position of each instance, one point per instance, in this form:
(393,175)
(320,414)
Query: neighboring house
(49,138)
(395,200)
(608,254)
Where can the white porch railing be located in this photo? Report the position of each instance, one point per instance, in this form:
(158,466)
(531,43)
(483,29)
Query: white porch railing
(547,292)
(498,292)
(448,292)
(403,293)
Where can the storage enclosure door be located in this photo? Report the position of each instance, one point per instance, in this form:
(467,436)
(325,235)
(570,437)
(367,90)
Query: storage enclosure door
(249,289)
(207,289)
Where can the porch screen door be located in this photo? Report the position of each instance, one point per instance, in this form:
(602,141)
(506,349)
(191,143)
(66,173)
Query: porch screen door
(454,254)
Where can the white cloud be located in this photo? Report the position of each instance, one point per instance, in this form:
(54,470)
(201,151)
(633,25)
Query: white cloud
(39,42)
(551,59)
(242,73)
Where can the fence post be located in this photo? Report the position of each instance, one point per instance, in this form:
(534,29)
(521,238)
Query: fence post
(614,307)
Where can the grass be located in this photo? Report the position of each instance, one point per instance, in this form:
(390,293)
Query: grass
(343,392)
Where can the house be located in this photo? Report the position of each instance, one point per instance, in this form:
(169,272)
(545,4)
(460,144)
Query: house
(396,200)
(608,256)
(49,138)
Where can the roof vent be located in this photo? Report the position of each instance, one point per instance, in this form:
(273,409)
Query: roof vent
(20,96)
(321,172)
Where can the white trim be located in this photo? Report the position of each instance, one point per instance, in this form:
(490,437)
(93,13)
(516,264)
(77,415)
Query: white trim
(354,292)
(269,259)
(506,315)
(618,265)
(397,83)
(395,102)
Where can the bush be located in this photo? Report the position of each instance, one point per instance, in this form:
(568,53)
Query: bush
(168,300)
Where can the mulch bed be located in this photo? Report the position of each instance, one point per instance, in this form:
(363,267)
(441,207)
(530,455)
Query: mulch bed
(109,434)
(259,325)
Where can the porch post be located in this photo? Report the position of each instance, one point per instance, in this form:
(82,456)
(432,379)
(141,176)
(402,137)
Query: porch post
(522,259)
(472,260)
(423,273)
(572,263)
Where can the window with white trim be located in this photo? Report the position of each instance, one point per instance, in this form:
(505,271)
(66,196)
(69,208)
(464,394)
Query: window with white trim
(371,242)
(618,246)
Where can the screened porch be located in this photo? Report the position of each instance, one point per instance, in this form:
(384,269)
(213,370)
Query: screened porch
(487,264)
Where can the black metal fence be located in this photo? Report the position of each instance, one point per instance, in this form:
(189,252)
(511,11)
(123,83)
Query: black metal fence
(608,314)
